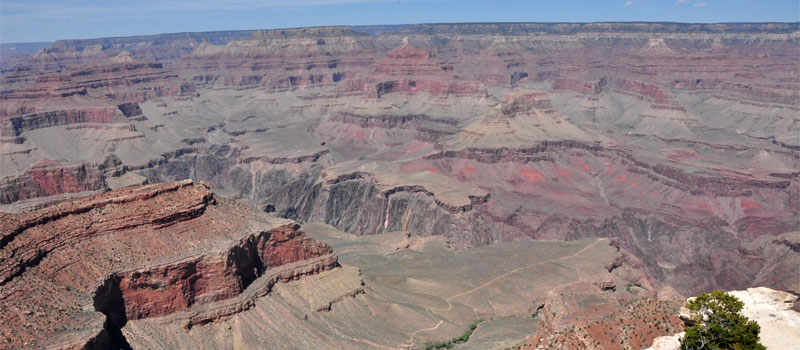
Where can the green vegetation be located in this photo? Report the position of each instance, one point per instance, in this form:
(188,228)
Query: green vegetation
(719,324)
(452,342)
(629,287)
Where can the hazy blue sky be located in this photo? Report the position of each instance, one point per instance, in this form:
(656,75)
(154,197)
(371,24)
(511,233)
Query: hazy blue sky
(48,20)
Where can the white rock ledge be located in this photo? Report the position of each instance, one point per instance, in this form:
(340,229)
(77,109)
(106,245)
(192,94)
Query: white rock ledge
(772,309)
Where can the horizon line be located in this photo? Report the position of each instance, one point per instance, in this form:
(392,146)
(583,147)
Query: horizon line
(391,25)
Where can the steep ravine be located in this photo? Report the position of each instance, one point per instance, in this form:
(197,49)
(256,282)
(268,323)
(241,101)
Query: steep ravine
(356,204)
(353,205)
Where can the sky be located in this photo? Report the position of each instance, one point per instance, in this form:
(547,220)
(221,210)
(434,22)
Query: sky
(50,20)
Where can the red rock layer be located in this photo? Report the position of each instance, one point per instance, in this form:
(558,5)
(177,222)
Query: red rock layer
(631,327)
(185,246)
(409,70)
(46,179)
(15,126)
(165,289)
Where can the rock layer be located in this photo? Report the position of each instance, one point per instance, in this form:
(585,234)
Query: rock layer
(189,250)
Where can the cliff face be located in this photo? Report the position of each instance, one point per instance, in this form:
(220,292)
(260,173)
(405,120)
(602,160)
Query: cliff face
(666,136)
(138,253)
(48,179)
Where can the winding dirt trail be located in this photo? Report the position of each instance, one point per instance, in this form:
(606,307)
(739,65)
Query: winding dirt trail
(410,343)
(450,304)
(449,307)
(429,309)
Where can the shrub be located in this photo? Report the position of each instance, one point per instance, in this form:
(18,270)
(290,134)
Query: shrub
(719,324)
(460,339)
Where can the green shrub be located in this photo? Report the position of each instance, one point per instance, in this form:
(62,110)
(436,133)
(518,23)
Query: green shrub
(719,324)
(452,342)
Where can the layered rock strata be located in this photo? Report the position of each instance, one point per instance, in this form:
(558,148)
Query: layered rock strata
(666,136)
(73,274)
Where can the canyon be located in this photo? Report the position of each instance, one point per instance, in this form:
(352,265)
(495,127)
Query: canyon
(386,186)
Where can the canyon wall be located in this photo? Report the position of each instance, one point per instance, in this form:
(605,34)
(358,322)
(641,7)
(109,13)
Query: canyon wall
(677,139)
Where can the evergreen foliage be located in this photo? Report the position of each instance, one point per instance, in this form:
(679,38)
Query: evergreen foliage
(719,324)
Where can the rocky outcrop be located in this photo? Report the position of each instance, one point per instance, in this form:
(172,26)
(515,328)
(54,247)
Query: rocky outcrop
(613,312)
(287,160)
(190,252)
(720,187)
(531,154)
(409,70)
(793,245)
(359,206)
(17,125)
(130,109)
(635,326)
(617,262)
(162,290)
(771,309)
(23,246)
(390,121)
(48,179)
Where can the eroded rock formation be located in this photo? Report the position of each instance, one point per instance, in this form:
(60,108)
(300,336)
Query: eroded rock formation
(75,273)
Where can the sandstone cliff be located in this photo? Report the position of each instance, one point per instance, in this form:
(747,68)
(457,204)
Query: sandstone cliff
(75,273)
